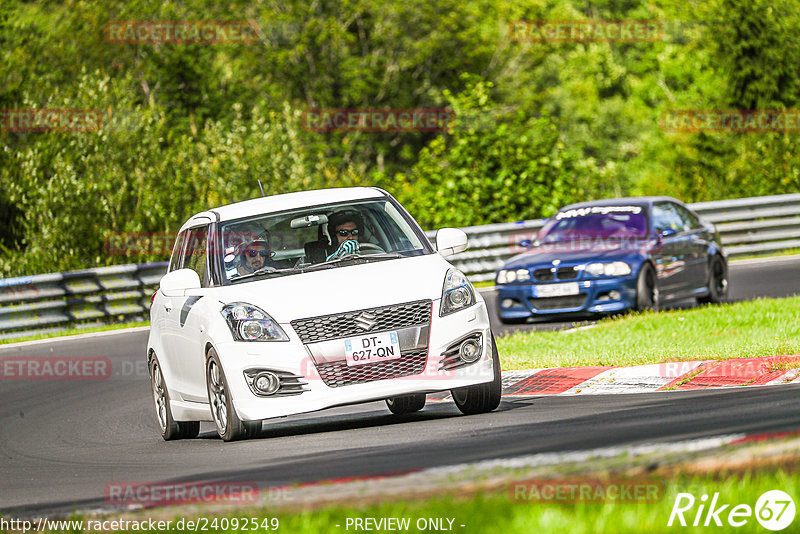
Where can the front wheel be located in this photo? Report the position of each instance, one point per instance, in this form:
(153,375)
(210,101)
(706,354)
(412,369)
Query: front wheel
(229,426)
(406,403)
(717,282)
(646,290)
(481,398)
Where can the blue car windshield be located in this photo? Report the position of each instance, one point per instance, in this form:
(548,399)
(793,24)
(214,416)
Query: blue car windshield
(595,222)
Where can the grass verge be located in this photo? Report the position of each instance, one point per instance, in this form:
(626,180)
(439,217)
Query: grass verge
(762,327)
(75,331)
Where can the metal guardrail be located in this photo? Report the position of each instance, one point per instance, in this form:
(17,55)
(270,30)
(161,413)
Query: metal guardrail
(81,299)
(53,302)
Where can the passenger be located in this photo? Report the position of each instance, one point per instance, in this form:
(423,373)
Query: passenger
(253,256)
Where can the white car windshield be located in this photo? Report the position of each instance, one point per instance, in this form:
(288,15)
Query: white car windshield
(315,238)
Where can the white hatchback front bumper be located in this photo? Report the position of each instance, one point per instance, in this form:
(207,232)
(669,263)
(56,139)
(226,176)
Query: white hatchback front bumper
(297,359)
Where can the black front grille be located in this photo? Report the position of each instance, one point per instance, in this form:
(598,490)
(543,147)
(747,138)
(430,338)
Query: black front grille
(340,374)
(344,324)
(558,303)
(567,273)
(544,275)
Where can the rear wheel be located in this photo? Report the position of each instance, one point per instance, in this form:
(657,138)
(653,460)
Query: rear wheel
(481,398)
(229,426)
(646,290)
(717,282)
(170,429)
(406,403)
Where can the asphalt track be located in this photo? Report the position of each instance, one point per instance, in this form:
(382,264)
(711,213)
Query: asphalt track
(63,442)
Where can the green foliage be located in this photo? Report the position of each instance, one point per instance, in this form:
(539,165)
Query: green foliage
(537,125)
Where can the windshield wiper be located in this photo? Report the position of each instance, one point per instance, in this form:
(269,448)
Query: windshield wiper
(266,270)
(353,257)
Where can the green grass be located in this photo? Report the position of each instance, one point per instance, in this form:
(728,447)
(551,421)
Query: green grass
(499,511)
(75,331)
(763,327)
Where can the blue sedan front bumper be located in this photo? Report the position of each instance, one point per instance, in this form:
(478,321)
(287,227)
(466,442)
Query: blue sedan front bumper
(520,300)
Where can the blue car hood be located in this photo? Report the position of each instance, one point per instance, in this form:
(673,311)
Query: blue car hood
(568,255)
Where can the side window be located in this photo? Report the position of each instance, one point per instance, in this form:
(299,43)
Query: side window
(175,261)
(689,219)
(195,254)
(665,216)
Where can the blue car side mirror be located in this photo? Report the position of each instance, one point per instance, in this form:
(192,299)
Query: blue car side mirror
(666,232)
(525,243)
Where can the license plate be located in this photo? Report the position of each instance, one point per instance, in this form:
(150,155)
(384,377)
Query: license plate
(371,348)
(556,290)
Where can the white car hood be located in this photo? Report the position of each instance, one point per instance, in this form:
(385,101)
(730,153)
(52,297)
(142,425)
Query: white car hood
(342,289)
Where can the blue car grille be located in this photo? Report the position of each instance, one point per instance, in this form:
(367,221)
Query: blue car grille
(558,303)
(562,273)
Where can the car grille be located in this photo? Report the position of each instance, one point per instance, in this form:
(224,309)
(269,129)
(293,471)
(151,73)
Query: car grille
(558,303)
(562,273)
(344,324)
(340,374)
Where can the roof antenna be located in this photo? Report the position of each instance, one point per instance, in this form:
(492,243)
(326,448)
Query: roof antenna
(261,187)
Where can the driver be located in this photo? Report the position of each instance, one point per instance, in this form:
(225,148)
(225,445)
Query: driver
(345,234)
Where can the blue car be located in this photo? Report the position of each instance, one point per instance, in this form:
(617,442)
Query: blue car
(607,256)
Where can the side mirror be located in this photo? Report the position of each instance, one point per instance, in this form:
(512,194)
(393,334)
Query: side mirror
(450,241)
(525,243)
(176,283)
(666,232)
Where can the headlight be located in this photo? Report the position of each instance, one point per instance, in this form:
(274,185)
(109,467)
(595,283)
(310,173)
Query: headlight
(502,277)
(250,323)
(617,268)
(457,293)
(507,277)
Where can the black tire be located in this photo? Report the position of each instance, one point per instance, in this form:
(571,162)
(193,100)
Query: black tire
(170,429)
(481,398)
(406,403)
(229,426)
(646,289)
(717,282)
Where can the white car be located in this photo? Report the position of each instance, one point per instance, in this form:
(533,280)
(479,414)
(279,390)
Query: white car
(303,301)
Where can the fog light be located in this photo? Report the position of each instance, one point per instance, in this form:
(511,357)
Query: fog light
(614,295)
(266,383)
(508,303)
(470,350)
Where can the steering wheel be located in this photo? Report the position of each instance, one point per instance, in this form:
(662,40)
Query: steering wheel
(371,246)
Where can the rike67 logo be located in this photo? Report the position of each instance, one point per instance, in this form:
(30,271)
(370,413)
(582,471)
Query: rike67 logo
(774,510)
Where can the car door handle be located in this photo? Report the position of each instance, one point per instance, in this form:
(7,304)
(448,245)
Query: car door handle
(168,305)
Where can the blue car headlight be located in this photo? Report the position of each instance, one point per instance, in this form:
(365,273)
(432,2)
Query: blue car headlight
(251,323)
(616,268)
(457,293)
(513,275)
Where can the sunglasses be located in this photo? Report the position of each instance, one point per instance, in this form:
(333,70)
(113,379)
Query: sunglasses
(345,233)
(254,253)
